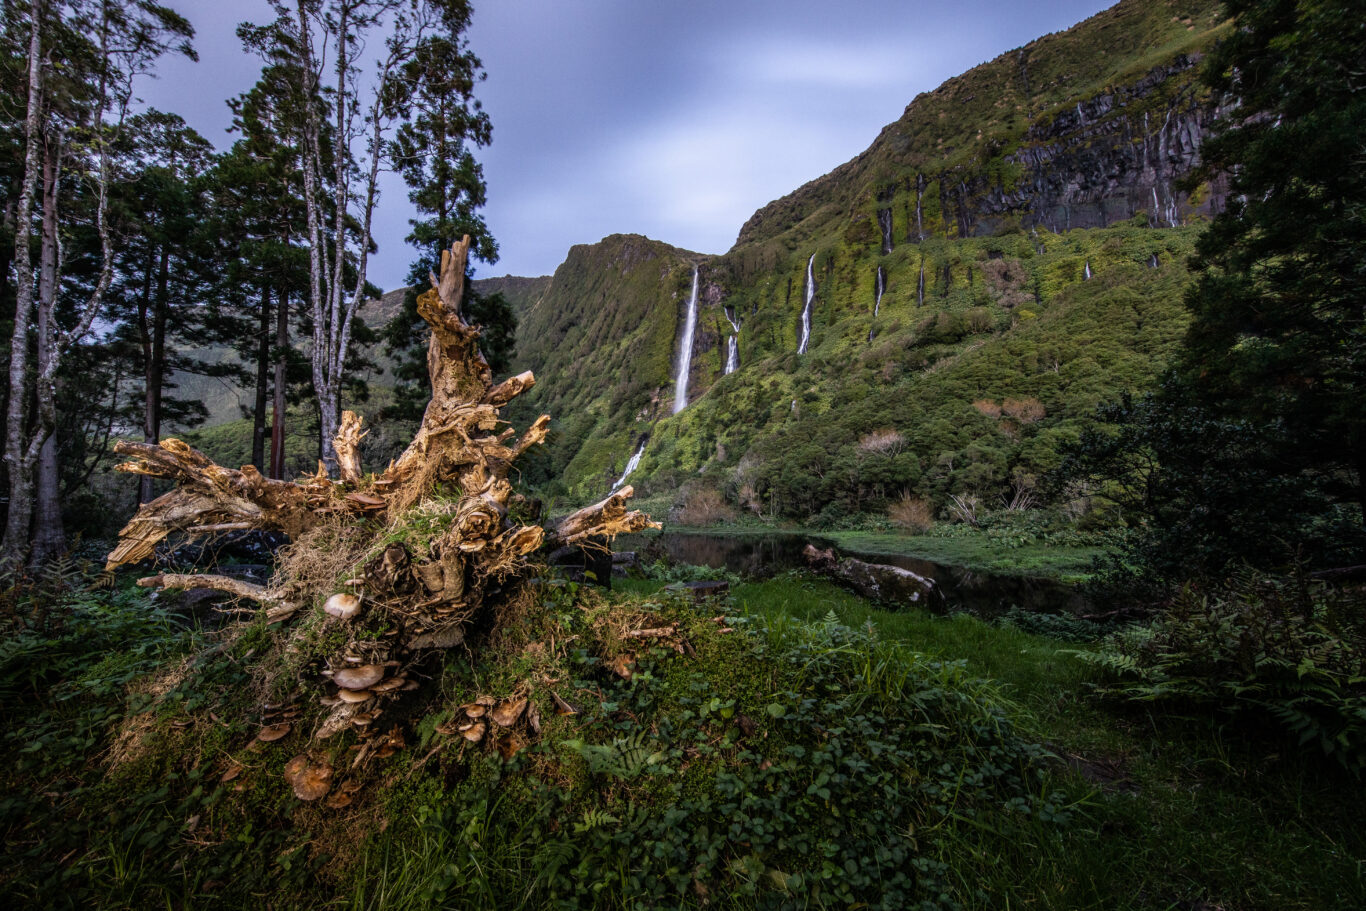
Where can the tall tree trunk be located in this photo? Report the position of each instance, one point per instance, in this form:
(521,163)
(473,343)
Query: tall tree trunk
(15,543)
(258,411)
(154,367)
(144,327)
(277,427)
(49,536)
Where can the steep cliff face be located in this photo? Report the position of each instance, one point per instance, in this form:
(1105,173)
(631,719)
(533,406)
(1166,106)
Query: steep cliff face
(1084,128)
(600,335)
(925,318)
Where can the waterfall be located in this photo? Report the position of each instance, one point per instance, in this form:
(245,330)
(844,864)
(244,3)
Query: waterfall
(884,220)
(1086,272)
(877,301)
(806,310)
(1153,261)
(920,287)
(631,465)
(685,351)
(732,345)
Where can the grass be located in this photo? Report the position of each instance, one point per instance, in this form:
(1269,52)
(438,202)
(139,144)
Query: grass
(1133,809)
(978,551)
(1173,812)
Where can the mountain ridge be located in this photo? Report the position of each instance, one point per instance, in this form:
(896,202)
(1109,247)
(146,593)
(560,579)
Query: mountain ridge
(935,252)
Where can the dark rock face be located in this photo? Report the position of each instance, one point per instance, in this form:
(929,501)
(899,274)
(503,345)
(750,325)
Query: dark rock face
(1108,159)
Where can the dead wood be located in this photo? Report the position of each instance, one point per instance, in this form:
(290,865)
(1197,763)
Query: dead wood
(347,447)
(608,517)
(876,581)
(422,551)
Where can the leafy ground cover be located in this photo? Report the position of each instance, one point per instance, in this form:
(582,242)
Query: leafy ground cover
(805,749)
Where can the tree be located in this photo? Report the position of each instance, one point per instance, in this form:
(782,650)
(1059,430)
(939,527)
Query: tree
(461,570)
(261,217)
(1254,447)
(166,266)
(73,115)
(344,131)
(431,151)
(1278,335)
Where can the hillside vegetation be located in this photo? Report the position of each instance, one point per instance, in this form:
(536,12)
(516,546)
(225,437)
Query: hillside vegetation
(1028,227)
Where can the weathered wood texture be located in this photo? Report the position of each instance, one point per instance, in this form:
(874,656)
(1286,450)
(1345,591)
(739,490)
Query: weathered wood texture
(875,581)
(431,593)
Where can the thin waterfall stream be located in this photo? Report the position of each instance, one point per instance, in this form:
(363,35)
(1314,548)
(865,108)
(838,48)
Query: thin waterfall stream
(685,350)
(806,310)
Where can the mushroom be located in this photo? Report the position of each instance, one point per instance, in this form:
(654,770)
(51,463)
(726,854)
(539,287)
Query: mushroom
(385,686)
(310,779)
(339,800)
(359,678)
(354,696)
(473,732)
(474,710)
(342,605)
(506,713)
(272,732)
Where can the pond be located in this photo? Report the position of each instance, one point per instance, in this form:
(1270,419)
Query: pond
(760,555)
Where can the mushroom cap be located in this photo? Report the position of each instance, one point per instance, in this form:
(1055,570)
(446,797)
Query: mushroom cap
(274,732)
(385,686)
(359,678)
(506,713)
(310,779)
(342,605)
(354,696)
(473,732)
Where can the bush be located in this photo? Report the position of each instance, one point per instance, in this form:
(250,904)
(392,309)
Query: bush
(911,513)
(703,506)
(1287,648)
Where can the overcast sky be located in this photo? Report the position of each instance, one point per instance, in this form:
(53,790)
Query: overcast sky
(671,119)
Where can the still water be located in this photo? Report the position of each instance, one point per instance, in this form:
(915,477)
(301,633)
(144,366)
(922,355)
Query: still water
(761,555)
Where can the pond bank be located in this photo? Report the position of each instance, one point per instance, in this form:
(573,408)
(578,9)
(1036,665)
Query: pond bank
(758,554)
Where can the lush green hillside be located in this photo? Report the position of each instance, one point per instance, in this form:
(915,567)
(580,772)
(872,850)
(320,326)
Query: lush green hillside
(1027,225)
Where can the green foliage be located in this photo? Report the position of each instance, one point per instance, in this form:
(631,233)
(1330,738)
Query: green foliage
(1254,448)
(1262,648)
(718,791)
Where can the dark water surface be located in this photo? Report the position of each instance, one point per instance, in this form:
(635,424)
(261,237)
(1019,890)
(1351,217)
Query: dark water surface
(763,554)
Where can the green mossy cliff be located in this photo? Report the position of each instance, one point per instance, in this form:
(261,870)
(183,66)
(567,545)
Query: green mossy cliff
(1028,228)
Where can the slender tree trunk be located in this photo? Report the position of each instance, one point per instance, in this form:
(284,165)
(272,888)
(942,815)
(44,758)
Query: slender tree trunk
(258,411)
(154,364)
(277,428)
(144,308)
(16,539)
(49,537)
(6,248)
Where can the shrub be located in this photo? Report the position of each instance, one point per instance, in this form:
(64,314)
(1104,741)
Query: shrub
(1026,410)
(703,506)
(912,513)
(988,408)
(1260,646)
(882,442)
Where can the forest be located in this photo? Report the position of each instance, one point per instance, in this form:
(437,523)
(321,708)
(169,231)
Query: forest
(365,642)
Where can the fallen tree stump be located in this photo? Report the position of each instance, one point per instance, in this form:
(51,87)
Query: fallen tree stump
(394,566)
(874,581)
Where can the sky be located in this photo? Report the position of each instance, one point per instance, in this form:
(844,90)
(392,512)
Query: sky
(676,120)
